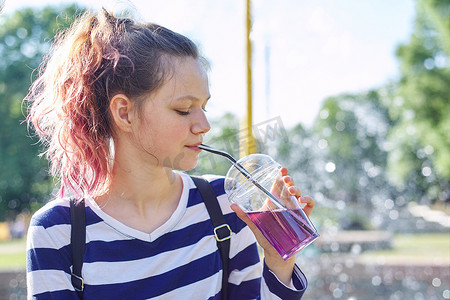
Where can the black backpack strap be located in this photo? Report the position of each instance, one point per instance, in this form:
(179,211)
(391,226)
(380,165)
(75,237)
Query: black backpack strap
(222,230)
(78,242)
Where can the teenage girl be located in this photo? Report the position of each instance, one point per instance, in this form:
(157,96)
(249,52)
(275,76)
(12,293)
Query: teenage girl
(120,106)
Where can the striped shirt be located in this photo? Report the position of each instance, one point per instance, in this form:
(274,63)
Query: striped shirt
(178,260)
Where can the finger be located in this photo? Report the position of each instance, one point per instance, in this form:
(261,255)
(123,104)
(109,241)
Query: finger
(269,250)
(286,185)
(295,191)
(309,204)
(242,215)
(288,180)
(262,241)
(283,171)
(277,187)
(308,201)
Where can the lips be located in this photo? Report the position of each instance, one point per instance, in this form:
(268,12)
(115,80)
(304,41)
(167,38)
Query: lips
(194,147)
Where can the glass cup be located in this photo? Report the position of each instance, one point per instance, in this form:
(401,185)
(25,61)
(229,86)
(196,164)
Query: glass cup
(279,218)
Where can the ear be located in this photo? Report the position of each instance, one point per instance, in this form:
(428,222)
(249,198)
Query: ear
(121,108)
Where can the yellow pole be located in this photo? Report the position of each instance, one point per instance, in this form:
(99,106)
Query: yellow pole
(248,143)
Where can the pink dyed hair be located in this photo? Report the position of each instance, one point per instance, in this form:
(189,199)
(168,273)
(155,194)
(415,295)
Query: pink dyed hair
(98,57)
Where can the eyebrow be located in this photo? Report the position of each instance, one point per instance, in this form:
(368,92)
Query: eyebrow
(190,97)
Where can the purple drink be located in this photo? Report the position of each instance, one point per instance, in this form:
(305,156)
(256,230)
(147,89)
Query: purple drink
(286,230)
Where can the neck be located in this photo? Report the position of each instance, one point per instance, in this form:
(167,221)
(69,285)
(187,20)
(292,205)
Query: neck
(141,188)
(142,202)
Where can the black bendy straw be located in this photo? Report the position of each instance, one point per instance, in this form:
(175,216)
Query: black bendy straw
(248,175)
(244,172)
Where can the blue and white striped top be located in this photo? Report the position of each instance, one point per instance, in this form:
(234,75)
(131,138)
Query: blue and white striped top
(178,260)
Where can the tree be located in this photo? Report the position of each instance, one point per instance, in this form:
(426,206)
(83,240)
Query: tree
(351,133)
(300,155)
(421,135)
(25,38)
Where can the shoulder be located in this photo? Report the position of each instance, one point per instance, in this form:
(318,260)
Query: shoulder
(50,226)
(55,212)
(217,183)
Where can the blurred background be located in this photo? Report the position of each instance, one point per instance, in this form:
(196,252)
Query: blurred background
(353,97)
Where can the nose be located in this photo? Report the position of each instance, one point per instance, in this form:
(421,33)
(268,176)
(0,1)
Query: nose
(201,124)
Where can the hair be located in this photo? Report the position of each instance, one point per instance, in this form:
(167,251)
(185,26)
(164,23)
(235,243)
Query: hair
(98,57)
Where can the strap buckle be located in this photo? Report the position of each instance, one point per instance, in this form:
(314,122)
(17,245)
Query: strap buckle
(226,237)
(81,283)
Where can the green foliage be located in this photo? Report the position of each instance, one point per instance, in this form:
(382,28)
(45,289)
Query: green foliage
(298,153)
(352,134)
(439,12)
(25,38)
(13,254)
(424,106)
(417,247)
(420,139)
(359,146)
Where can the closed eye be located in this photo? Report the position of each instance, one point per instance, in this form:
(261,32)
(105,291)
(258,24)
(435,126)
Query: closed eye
(183,113)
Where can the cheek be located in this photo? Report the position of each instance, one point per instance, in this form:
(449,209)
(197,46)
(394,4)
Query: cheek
(162,133)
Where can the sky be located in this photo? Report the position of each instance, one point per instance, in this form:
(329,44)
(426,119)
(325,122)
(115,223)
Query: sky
(303,51)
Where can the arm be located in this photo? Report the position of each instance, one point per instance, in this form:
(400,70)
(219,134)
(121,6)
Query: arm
(284,271)
(250,279)
(48,259)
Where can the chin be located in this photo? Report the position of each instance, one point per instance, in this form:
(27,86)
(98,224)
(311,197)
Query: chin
(186,165)
(190,167)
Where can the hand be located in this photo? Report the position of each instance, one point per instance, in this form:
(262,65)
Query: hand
(284,188)
(282,269)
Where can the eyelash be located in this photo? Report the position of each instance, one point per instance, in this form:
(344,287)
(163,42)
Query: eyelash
(185,113)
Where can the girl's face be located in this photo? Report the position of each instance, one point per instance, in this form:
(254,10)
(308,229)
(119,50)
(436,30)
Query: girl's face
(172,122)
